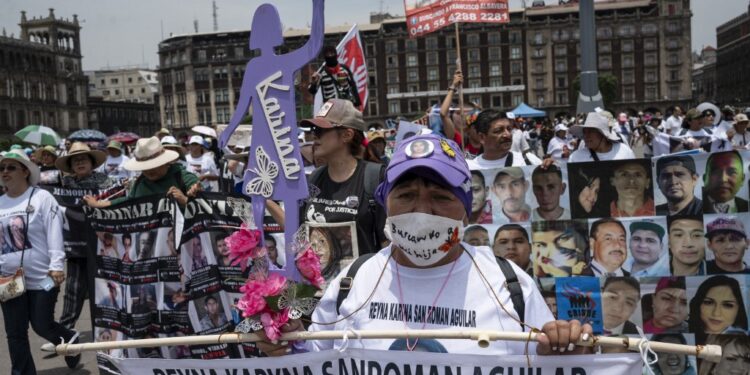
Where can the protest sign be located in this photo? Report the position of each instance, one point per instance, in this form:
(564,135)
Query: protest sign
(426,16)
(371,362)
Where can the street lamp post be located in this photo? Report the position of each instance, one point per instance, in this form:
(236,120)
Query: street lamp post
(589,98)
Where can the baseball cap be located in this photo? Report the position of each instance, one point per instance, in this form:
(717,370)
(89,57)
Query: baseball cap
(693,114)
(675,282)
(164,131)
(335,113)
(741,118)
(375,134)
(681,160)
(647,225)
(514,172)
(196,139)
(432,157)
(115,144)
(560,127)
(725,224)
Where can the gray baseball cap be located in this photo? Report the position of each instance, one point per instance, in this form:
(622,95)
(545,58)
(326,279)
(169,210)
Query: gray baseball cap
(335,113)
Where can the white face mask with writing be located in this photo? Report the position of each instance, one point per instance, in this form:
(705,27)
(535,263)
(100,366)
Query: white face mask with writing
(425,239)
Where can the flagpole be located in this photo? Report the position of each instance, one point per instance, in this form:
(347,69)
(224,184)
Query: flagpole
(461,86)
(482,337)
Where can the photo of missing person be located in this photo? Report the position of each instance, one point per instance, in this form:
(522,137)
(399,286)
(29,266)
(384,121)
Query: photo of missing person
(718,305)
(735,355)
(209,312)
(513,242)
(173,297)
(275,249)
(197,254)
(633,188)
(17,232)
(559,248)
(128,249)
(477,235)
(679,186)
(335,244)
(509,193)
(607,243)
(142,299)
(724,185)
(5,244)
(727,243)
(107,245)
(109,294)
(177,351)
(587,200)
(664,304)
(678,364)
(648,248)
(164,246)
(419,149)
(221,250)
(107,335)
(687,246)
(550,190)
(621,297)
(145,242)
(547,287)
(481,203)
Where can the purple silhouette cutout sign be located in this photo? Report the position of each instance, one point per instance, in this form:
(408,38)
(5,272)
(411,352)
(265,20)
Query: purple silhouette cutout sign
(275,169)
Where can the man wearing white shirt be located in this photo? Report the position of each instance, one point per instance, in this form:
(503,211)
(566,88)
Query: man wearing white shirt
(741,136)
(202,164)
(600,143)
(674,122)
(558,147)
(496,135)
(115,159)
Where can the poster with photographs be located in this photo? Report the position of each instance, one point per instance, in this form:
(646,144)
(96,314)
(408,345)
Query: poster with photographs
(335,244)
(519,195)
(132,250)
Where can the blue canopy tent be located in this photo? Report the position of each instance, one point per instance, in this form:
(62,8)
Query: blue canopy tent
(524,110)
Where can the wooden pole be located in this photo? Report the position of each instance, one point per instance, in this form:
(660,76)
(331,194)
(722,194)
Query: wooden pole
(708,352)
(461,87)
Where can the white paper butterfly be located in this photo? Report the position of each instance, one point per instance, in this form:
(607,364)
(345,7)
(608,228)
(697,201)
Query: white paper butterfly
(248,325)
(297,306)
(267,170)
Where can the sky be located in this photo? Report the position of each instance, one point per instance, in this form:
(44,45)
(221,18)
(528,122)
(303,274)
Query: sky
(120,33)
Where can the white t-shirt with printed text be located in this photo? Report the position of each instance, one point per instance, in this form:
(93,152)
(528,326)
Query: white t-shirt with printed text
(457,306)
(619,151)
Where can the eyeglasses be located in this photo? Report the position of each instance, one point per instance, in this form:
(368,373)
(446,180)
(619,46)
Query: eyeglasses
(318,132)
(9,168)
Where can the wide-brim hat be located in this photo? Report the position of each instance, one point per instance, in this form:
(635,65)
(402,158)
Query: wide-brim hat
(79,148)
(598,121)
(149,154)
(706,106)
(170,142)
(20,156)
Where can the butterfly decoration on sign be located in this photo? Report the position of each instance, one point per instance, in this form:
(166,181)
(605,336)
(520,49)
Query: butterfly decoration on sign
(298,306)
(248,325)
(266,173)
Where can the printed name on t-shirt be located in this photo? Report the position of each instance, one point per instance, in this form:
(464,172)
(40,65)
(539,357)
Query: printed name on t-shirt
(334,206)
(401,312)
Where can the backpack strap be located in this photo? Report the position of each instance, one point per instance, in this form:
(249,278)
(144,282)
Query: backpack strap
(526,158)
(593,154)
(345,284)
(514,287)
(509,159)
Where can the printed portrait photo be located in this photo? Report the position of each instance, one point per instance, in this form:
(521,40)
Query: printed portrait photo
(109,294)
(727,244)
(196,252)
(664,304)
(547,288)
(220,248)
(107,245)
(107,335)
(687,245)
(621,302)
(145,242)
(128,248)
(142,299)
(718,305)
(587,197)
(513,242)
(679,186)
(335,244)
(275,247)
(724,182)
(550,188)
(481,202)
(648,247)
(735,355)
(165,242)
(510,193)
(608,247)
(177,351)
(559,248)
(172,297)
(419,149)
(632,187)
(667,363)
(210,312)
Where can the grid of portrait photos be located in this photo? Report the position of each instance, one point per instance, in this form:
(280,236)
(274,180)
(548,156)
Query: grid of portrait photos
(660,244)
(155,282)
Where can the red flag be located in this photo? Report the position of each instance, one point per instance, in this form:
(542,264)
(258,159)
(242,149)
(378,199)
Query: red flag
(352,53)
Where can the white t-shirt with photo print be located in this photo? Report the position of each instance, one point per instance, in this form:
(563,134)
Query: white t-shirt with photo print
(456,307)
(204,165)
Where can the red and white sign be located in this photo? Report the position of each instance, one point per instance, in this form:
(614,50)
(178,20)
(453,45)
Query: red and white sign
(352,54)
(426,16)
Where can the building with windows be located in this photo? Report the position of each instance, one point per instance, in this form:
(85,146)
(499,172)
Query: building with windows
(41,81)
(124,85)
(704,75)
(535,58)
(733,60)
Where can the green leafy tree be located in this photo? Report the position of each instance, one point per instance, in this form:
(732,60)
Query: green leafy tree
(607,86)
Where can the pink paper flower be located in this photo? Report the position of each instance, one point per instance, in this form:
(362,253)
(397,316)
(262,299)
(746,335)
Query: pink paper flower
(272,323)
(243,245)
(308,264)
(255,291)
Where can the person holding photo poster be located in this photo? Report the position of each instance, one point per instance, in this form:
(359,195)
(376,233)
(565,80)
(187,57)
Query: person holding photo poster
(599,142)
(423,195)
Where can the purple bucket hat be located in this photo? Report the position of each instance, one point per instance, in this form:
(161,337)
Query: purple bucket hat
(432,157)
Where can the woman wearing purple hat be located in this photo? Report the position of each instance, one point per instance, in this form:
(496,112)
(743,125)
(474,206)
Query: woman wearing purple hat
(433,278)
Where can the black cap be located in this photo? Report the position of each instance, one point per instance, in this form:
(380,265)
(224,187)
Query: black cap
(681,160)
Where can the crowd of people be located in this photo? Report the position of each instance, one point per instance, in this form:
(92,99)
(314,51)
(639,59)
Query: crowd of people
(421,185)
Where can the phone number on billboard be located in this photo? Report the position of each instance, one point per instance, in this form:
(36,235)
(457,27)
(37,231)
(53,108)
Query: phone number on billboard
(441,22)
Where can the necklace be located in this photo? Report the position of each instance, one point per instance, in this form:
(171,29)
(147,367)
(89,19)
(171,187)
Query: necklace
(410,347)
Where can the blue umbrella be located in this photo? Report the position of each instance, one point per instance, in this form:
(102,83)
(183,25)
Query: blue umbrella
(87,135)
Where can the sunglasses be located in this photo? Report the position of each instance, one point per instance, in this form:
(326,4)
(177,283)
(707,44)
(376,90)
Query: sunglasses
(9,168)
(319,132)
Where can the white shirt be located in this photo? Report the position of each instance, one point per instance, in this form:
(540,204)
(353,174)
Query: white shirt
(700,133)
(518,161)
(741,139)
(555,147)
(456,307)
(204,165)
(519,143)
(113,167)
(673,125)
(44,234)
(619,151)
(624,130)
